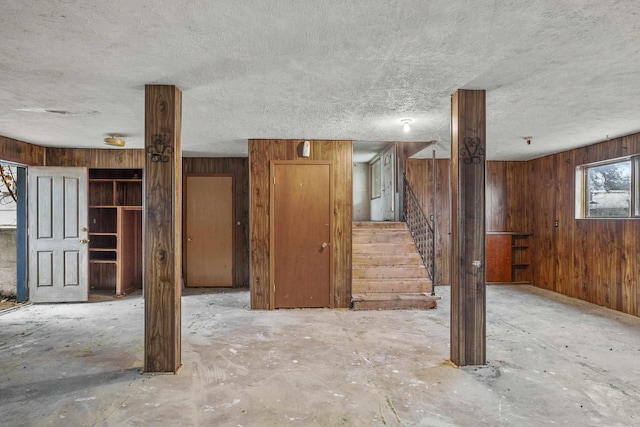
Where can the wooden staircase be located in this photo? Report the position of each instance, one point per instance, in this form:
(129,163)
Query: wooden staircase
(388,272)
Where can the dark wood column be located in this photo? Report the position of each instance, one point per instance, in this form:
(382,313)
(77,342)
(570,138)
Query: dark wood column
(162,229)
(468,132)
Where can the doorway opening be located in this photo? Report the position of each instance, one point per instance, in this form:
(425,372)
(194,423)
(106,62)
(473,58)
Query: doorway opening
(10,294)
(377,175)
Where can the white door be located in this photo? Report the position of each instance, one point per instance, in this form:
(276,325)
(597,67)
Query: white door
(58,242)
(388,186)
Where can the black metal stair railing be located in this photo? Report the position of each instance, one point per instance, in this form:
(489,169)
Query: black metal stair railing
(421,230)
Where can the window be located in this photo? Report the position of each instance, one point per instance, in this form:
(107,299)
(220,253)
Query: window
(608,189)
(376,182)
(8,175)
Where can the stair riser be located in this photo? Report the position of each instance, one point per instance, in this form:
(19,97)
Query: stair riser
(385,286)
(382,238)
(394,304)
(389,273)
(372,260)
(386,225)
(380,248)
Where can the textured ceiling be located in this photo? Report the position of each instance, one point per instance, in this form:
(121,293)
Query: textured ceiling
(566,73)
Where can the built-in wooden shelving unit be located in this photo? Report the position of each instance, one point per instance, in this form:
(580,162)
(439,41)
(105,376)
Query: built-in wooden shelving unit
(115,229)
(508,257)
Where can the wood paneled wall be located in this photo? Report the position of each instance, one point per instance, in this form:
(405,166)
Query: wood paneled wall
(595,260)
(339,153)
(14,151)
(506,196)
(95,158)
(239,168)
(419,173)
(506,201)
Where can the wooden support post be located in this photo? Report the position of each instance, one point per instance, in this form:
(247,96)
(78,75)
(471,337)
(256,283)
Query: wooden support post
(468,302)
(162,229)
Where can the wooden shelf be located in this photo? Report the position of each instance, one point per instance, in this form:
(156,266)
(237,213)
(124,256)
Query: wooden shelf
(115,191)
(134,174)
(101,261)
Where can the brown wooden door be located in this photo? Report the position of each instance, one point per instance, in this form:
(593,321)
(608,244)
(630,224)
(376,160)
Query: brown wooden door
(498,258)
(209,231)
(301,230)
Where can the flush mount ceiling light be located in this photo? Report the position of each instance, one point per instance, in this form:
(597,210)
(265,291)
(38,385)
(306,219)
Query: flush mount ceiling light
(406,126)
(114,141)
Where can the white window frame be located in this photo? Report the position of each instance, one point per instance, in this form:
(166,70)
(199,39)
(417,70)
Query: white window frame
(581,188)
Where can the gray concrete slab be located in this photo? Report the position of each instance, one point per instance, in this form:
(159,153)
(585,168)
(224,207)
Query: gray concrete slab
(552,361)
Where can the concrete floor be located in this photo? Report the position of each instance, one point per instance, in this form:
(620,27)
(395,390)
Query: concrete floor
(552,360)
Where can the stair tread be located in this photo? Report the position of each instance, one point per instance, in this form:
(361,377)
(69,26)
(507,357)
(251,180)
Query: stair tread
(382,231)
(359,287)
(358,266)
(396,304)
(378,225)
(377,256)
(357,263)
(401,279)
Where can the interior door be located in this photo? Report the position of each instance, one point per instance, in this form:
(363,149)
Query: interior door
(388,187)
(209,230)
(58,249)
(301,235)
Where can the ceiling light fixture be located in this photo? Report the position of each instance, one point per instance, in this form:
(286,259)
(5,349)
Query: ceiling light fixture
(57,111)
(114,141)
(406,126)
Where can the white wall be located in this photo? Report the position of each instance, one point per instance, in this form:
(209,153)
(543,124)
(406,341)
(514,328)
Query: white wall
(8,261)
(361,196)
(8,215)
